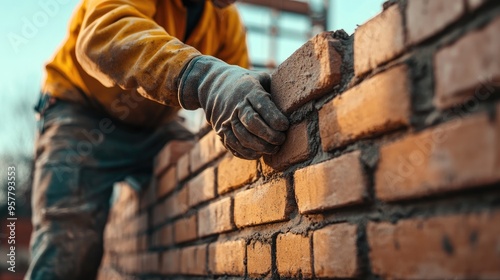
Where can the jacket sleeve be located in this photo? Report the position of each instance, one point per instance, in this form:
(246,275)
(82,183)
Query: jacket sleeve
(234,47)
(121,45)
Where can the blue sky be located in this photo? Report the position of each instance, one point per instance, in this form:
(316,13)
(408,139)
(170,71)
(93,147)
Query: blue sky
(32,29)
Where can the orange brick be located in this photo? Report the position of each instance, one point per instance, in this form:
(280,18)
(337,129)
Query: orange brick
(378,40)
(334,183)
(215,217)
(258,259)
(464,67)
(295,149)
(234,172)
(310,72)
(183,167)
(185,229)
(335,252)
(205,151)
(363,112)
(448,247)
(227,258)
(167,183)
(177,204)
(263,204)
(293,255)
(202,187)
(425,18)
(440,159)
(194,260)
(171,262)
(170,154)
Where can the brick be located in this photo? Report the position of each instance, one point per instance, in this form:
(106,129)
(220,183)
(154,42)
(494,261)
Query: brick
(183,167)
(310,72)
(167,183)
(166,236)
(170,154)
(194,260)
(437,160)
(335,252)
(258,259)
(159,213)
(448,247)
(263,204)
(334,183)
(206,150)
(363,112)
(215,218)
(234,172)
(202,187)
(150,262)
(185,229)
(464,67)
(171,262)
(378,40)
(177,204)
(426,18)
(227,258)
(293,255)
(295,149)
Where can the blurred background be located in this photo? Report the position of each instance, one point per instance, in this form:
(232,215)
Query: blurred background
(275,29)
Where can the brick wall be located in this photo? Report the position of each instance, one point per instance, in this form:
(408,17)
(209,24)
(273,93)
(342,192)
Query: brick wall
(391,168)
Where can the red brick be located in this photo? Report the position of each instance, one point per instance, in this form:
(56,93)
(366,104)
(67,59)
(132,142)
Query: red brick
(177,204)
(183,167)
(448,247)
(166,236)
(378,40)
(170,154)
(263,204)
(334,183)
(202,187)
(194,260)
(363,112)
(465,66)
(234,172)
(150,262)
(440,159)
(295,149)
(215,217)
(293,255)
(425,18)
(185,229)
(167,183)
(206,150)
(310,72)
(335,252)
(171,262)
(227,258)
(258,259)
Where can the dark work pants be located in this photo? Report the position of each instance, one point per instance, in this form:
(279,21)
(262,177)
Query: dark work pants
(80,154)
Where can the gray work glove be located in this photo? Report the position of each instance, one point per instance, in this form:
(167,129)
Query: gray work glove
(236,104)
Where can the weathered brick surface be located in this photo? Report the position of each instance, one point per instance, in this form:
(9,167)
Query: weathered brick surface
(215,217)
(459,77)
(298,80)
(177,204)
(448,247)
(183,167)
(206,150)
(171,262)
(262,204)
(335,252)
(202,187)
(427,17)
(234,172)
(194,260)
(166,236)
(378,105)
(258,259)
(295,149)
(293,255)
(378,40)
(441,159)
(185,229)
(170,154)
(227,258)
(334,183)
(167,183)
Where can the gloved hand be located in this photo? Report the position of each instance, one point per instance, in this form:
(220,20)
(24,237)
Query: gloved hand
(236,104)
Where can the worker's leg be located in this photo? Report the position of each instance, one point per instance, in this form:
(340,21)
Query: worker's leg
(79,156)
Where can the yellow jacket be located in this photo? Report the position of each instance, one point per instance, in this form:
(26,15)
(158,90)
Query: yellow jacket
(124,56)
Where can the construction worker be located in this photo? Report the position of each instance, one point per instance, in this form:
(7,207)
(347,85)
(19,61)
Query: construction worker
(108,106)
